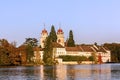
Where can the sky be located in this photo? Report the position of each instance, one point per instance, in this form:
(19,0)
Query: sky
(90,20)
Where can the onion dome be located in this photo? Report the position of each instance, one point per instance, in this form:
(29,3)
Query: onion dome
(44,31)
(60,31)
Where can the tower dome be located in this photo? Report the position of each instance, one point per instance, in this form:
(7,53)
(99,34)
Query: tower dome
(44,31)
(60,31)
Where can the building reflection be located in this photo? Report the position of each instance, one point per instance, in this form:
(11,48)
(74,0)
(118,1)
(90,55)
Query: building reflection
(90,72)
(61,72)
(75,72)
(93,72)
(56,72)
(38,72)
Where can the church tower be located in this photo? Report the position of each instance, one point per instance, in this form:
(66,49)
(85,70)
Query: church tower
(60,37)
(44,35)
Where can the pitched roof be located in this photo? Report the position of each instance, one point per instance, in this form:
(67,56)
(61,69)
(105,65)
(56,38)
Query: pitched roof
(82,48)
(106,48)
(87,48)
(93,48)
(101,49)
(73,49)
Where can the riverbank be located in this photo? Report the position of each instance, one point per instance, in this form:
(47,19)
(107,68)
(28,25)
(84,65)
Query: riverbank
(75,62)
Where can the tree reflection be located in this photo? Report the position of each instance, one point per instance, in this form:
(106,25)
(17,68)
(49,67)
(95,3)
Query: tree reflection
(50,72)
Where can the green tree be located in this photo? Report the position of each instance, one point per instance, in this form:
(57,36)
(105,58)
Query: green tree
(29,44)
(91,58)
(73,58)
(31,41)
(30,53)
(53,35)
(95,44)
(94,57)
(48,52)
(71,42)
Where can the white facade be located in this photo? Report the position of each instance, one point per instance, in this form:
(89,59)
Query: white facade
(78,53)
(106,57)
(59,51)
(81,50)
(60,37)
(38,55)
(44,35)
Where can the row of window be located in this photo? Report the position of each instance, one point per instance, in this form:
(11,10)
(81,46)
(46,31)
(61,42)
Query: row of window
(61,53)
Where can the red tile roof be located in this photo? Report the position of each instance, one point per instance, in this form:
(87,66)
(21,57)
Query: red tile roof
(57,45)
(87,48)
(73,49)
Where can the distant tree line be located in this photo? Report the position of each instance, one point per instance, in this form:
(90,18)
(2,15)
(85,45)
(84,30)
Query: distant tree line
(12,55)
(8,53)
(115,51)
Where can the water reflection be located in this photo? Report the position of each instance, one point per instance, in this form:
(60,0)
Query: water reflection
(49,73)
(62,72)
(89,72)
(115,71)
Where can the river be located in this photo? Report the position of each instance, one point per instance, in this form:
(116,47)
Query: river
(62,72)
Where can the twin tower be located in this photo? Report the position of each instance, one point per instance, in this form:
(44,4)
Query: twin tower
(60,37)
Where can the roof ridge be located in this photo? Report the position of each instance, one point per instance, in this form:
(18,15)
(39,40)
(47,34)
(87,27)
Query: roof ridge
(93,49)
(81,48)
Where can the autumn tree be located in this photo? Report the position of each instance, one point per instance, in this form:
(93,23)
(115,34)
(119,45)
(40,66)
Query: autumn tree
(71,42)
(4,56)
(21,50)
(30,43)
(8,53)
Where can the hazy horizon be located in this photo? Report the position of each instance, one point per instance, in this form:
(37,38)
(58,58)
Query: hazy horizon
(91,20)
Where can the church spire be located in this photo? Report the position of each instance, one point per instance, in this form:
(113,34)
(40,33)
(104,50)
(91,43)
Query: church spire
(44,25)
(44,35)
(59,25)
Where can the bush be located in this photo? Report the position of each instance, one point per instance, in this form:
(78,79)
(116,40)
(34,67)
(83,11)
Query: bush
(73,58)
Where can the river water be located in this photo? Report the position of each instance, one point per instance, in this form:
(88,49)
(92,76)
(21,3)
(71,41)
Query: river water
(62,72)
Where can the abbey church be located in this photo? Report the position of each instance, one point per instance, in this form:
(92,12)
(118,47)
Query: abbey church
(60,49)
(60,37)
